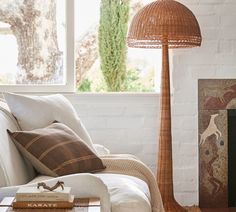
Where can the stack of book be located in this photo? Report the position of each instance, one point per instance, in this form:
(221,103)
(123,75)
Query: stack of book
(32,197)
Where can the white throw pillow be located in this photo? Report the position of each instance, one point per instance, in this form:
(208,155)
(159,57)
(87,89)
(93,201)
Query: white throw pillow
(33,112)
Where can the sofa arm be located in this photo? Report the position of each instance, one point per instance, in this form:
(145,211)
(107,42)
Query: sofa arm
(83,185)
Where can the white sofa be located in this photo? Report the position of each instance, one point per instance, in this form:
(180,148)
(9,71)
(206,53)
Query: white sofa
(118,192)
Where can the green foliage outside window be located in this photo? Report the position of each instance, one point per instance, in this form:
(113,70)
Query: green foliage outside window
(85,86)
(112,42)
(133,83)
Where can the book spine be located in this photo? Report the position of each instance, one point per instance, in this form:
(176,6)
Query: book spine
(36,198)
(45,205)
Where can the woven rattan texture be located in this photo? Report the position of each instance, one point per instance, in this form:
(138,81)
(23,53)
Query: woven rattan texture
(165,169)
(165,24)
(164,21)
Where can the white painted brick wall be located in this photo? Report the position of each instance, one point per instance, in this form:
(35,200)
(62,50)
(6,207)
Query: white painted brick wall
(215,59)
(125,123)
(128,123)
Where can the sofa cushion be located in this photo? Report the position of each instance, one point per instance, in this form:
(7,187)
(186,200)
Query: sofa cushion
(127,193)
(56,150)
(14,170)
(33,112)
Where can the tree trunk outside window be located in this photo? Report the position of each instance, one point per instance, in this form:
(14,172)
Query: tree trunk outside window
(33,23)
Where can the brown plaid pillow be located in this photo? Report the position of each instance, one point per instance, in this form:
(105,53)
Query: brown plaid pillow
(56,150)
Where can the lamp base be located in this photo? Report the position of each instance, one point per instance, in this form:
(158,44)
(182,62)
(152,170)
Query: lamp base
(173,206)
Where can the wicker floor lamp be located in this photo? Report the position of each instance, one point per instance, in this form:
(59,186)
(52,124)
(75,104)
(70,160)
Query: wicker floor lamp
(165,24)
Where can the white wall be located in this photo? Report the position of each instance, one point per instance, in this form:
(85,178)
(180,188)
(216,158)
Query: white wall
(129,123)
(125,123)
(215,59)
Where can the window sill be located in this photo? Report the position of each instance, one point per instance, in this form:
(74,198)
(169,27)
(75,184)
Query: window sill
(114,97)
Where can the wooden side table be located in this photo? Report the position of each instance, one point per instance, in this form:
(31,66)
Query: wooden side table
(81,205)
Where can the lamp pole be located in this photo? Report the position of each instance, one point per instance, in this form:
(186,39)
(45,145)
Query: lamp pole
(165,167)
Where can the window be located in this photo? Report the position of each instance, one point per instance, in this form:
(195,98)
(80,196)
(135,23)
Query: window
(9,52)
(142,65)
(38,42)
(37,46)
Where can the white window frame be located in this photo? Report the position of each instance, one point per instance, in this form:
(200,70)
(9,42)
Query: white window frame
(70,80)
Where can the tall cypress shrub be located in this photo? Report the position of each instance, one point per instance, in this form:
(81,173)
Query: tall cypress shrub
(112,42)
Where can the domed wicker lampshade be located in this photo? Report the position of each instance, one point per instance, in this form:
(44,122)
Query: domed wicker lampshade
(164,21)
(165,24)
